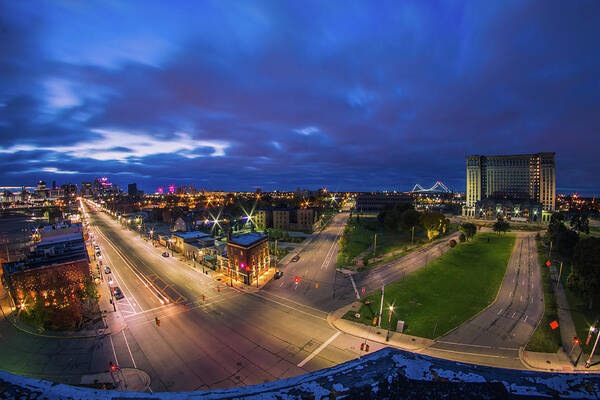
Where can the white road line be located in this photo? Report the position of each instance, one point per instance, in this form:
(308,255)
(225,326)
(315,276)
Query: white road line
(115,273)
(525,319)
(113,349)
(319,349)
(477,345)
(128,348)
(499,311)
(514,314)
(354,286)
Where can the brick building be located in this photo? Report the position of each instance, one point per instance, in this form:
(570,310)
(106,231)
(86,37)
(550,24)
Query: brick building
(248,257)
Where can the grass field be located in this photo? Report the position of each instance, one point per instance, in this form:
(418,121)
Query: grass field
(544,338)
(359,239)
(582,316)
(446,292)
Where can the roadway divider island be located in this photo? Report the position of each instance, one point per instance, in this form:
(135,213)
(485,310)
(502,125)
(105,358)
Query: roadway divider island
(446,292)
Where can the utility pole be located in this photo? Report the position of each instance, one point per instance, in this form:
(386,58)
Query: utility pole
(588,363)
(559,274)
(375,245)
(412,237)
(381,307)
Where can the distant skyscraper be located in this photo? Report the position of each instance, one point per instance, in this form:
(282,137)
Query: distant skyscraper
(132,190)
(529,177)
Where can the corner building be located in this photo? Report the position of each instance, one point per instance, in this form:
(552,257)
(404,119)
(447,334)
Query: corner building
(522,177)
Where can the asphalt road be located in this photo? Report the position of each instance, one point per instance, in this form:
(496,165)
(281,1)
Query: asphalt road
(510,321)
(232,338)
(213,336)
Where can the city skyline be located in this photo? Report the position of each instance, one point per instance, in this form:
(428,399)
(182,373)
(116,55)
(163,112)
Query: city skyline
(266,95)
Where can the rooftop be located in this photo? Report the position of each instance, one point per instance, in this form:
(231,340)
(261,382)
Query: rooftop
(55,251)
(190,235)
(247,239)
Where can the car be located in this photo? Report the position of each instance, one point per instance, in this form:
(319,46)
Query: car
(295,258)
(278,274)
(165,254)
(106,270)
(117,293)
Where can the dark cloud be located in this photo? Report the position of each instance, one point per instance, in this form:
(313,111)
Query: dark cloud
(359,95)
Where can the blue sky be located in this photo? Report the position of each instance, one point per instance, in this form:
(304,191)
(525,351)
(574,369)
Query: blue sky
(284,94)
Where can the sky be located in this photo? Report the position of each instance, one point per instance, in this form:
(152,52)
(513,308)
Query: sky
(348,95)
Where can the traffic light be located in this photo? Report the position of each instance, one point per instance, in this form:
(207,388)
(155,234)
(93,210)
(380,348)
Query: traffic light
(548,263)
(362,346)
(297,280)
(157,321)
(366,347)
(112,367)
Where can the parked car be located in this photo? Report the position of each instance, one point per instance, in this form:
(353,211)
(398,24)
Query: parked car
(165,254)
(295,258)
(117,293)
(278,274)
(106,270)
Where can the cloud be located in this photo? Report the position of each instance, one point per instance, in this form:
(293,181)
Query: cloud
(112,145)
(309,130)
(58,171)
(244,92)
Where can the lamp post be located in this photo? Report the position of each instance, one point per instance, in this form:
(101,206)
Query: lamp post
(588,363)
(387,337)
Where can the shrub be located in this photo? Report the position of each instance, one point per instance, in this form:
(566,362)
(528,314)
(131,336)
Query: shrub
(452,243)
(462,237)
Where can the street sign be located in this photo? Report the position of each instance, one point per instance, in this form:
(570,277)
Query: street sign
(400,326)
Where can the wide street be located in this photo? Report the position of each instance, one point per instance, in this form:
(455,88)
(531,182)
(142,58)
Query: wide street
(214,336)
(232,338)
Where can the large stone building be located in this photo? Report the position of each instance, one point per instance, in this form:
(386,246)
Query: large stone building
(56,268)
(512,178)
(248,257)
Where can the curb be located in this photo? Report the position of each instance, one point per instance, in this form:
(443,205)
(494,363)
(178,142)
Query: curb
(331,320)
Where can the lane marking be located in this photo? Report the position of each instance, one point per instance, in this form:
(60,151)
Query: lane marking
(499,311)
(478,345)
(319,349)
(113,349)
(354,286)
(128,348)
(525,319)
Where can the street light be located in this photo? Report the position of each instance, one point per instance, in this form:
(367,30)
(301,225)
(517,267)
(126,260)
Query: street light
(387,338)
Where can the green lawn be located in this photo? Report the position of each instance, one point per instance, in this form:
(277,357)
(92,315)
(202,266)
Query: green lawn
(359,237)
(544,338)
(582,316)
(446,292)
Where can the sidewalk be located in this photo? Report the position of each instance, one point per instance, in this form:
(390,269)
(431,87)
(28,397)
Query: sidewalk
(127,379)
(557,362)
(374,334)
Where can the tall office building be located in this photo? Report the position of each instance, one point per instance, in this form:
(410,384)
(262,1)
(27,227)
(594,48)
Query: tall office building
(514,178)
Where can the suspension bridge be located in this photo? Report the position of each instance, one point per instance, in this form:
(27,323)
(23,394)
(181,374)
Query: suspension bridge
(439,187)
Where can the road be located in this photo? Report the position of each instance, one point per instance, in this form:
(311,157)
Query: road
(509,322)
(213,336)
(231,339)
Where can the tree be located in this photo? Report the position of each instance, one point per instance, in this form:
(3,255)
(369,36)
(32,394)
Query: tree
(501,226)
(585,275)
(434,223)
(410,218)
(564,241)
(580,222)
(391,215)
(468,229)
(462,237)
